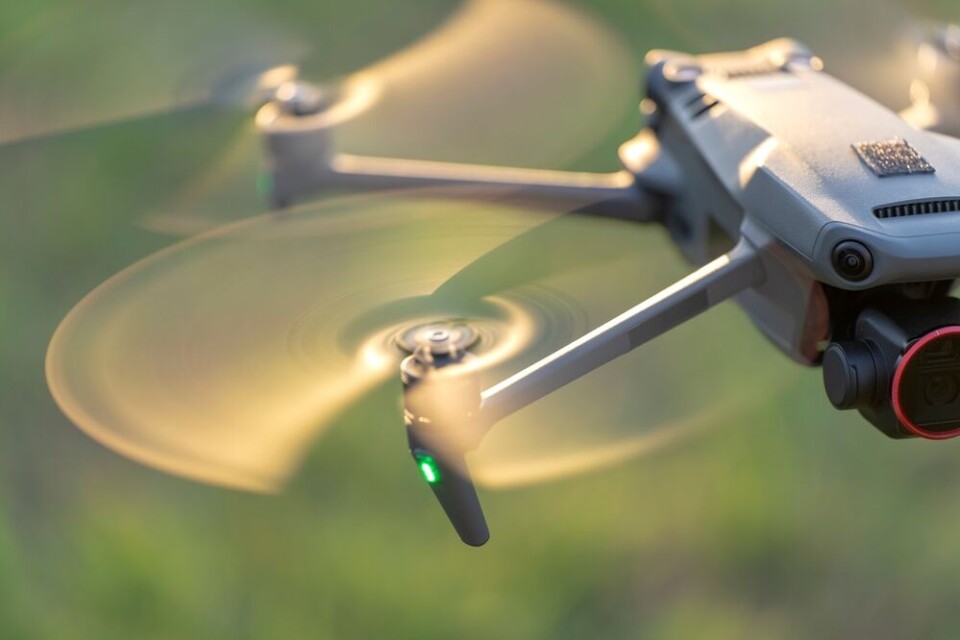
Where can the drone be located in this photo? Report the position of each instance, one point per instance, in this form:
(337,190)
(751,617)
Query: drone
(829,218)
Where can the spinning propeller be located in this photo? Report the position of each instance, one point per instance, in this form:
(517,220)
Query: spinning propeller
(213,55)
(224,357)
(439,99)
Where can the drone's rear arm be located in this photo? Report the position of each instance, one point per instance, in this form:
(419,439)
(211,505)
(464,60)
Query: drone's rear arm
(304,162)
(612,195)
(616,192)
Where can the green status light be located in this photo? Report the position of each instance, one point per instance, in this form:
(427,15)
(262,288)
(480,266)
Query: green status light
(264,185)
(428,467)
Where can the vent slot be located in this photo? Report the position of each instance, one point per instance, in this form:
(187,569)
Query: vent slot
(700,105)
(920,208)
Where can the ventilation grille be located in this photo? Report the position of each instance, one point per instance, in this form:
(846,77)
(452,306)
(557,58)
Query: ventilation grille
(749,69)
(904,209)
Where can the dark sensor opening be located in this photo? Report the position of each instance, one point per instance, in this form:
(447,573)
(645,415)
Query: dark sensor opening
(926,385)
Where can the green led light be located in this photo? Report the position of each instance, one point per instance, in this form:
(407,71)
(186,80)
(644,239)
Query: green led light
(264,185)
(428,473)
(428,468)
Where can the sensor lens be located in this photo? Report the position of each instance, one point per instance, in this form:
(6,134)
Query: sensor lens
(852,260)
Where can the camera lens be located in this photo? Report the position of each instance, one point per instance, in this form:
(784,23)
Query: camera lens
(852,260)
(941,389)
(926,385)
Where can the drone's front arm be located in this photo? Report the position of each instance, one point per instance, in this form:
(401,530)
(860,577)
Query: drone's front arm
(728,275)
(447,413)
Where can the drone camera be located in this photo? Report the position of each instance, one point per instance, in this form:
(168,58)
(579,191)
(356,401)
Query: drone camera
(926,384)
(901,370)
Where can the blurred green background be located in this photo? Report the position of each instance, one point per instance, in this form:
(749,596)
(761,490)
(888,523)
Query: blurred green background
(790,521)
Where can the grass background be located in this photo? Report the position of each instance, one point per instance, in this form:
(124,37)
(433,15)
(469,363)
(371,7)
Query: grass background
(793,521)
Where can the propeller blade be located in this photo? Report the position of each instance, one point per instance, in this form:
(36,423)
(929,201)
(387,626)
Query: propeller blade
(81,65)
(520,83)
(935,91)
(103,180)
(636,405)
(559,246)
(223,357)
(553,87)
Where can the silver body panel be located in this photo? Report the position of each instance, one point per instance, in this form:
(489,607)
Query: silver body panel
(781,142)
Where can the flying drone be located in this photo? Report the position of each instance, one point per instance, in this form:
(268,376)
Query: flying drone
(831,219)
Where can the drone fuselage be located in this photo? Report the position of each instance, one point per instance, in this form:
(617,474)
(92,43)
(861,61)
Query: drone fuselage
(859,208)
(810,160)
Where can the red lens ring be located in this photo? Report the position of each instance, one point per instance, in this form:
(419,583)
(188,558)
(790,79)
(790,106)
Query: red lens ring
(905,360)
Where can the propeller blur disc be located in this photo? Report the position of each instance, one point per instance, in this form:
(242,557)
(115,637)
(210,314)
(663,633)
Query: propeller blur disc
(516,83)
(224,358)
(523,82)
(74,65)
(709,373)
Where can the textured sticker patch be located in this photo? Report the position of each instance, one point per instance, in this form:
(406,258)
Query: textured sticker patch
(893,157)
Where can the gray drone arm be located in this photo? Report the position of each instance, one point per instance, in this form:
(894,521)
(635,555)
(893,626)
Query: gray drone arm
(305,162)
(728,275)
(614,195)
(437,417)
(541,187)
